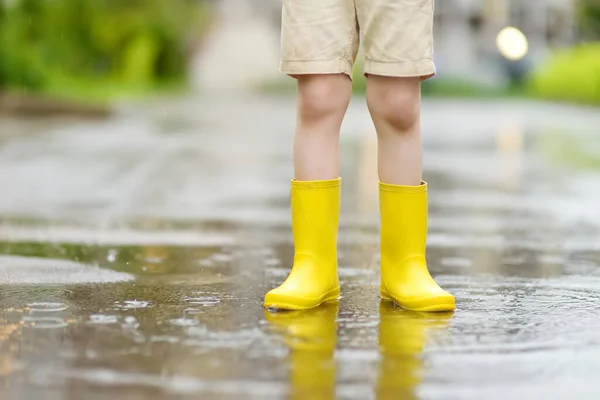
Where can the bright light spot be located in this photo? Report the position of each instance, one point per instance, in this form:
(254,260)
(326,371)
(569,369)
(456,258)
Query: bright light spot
(512,43)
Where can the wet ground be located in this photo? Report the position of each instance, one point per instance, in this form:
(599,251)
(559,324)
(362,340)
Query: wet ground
(135,253)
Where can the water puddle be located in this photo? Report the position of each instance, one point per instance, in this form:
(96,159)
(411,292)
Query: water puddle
(165,299)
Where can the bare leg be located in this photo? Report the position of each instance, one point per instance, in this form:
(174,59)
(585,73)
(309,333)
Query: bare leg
(322,104)
(395,106)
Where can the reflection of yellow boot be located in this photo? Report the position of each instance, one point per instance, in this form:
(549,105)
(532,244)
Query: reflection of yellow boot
(313,279)
(404,275)
(311,337)
(402,338)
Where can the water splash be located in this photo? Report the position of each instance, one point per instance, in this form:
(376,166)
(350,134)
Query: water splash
(132,304)
(112,255)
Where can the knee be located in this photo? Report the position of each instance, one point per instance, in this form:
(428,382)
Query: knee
(323,96)
(398,108)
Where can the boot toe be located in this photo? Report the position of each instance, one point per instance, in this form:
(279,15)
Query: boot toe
(281,300)
(439,302)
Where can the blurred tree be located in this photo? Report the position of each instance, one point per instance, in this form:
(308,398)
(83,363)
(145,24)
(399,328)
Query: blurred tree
(137,42)
(569,75)
(589,18)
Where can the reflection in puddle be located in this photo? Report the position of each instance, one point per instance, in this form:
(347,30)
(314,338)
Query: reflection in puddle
(44,322)
(403,337)
(311,337)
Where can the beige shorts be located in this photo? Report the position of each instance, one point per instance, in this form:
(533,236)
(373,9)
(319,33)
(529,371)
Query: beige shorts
(322,37)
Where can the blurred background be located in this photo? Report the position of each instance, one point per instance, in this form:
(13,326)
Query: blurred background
(106,50)
(145,158)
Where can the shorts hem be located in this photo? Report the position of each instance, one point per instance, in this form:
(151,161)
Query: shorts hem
(336,66)
(424,69)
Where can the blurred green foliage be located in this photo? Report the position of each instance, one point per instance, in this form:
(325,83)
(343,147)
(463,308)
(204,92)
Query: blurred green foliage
(588,13)
(570,75)
(46,44)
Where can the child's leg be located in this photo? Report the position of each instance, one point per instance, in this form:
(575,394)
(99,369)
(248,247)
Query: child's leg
(319,44)
(322,103)
(397,37)
(394,104)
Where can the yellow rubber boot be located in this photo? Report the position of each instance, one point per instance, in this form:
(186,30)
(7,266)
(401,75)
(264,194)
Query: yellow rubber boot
(311,337)
(403,335)
(404,275)
(314,278)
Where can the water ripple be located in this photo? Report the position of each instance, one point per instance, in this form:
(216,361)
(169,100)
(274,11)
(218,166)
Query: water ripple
(132,304)
(46,307)
(202,301)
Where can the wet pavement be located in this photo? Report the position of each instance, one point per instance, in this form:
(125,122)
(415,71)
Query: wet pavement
(135,253)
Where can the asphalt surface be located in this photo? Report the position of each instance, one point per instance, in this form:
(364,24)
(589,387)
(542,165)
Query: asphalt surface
(134,253)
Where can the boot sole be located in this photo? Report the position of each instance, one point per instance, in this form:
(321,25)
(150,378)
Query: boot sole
(429,304)
(283,302)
